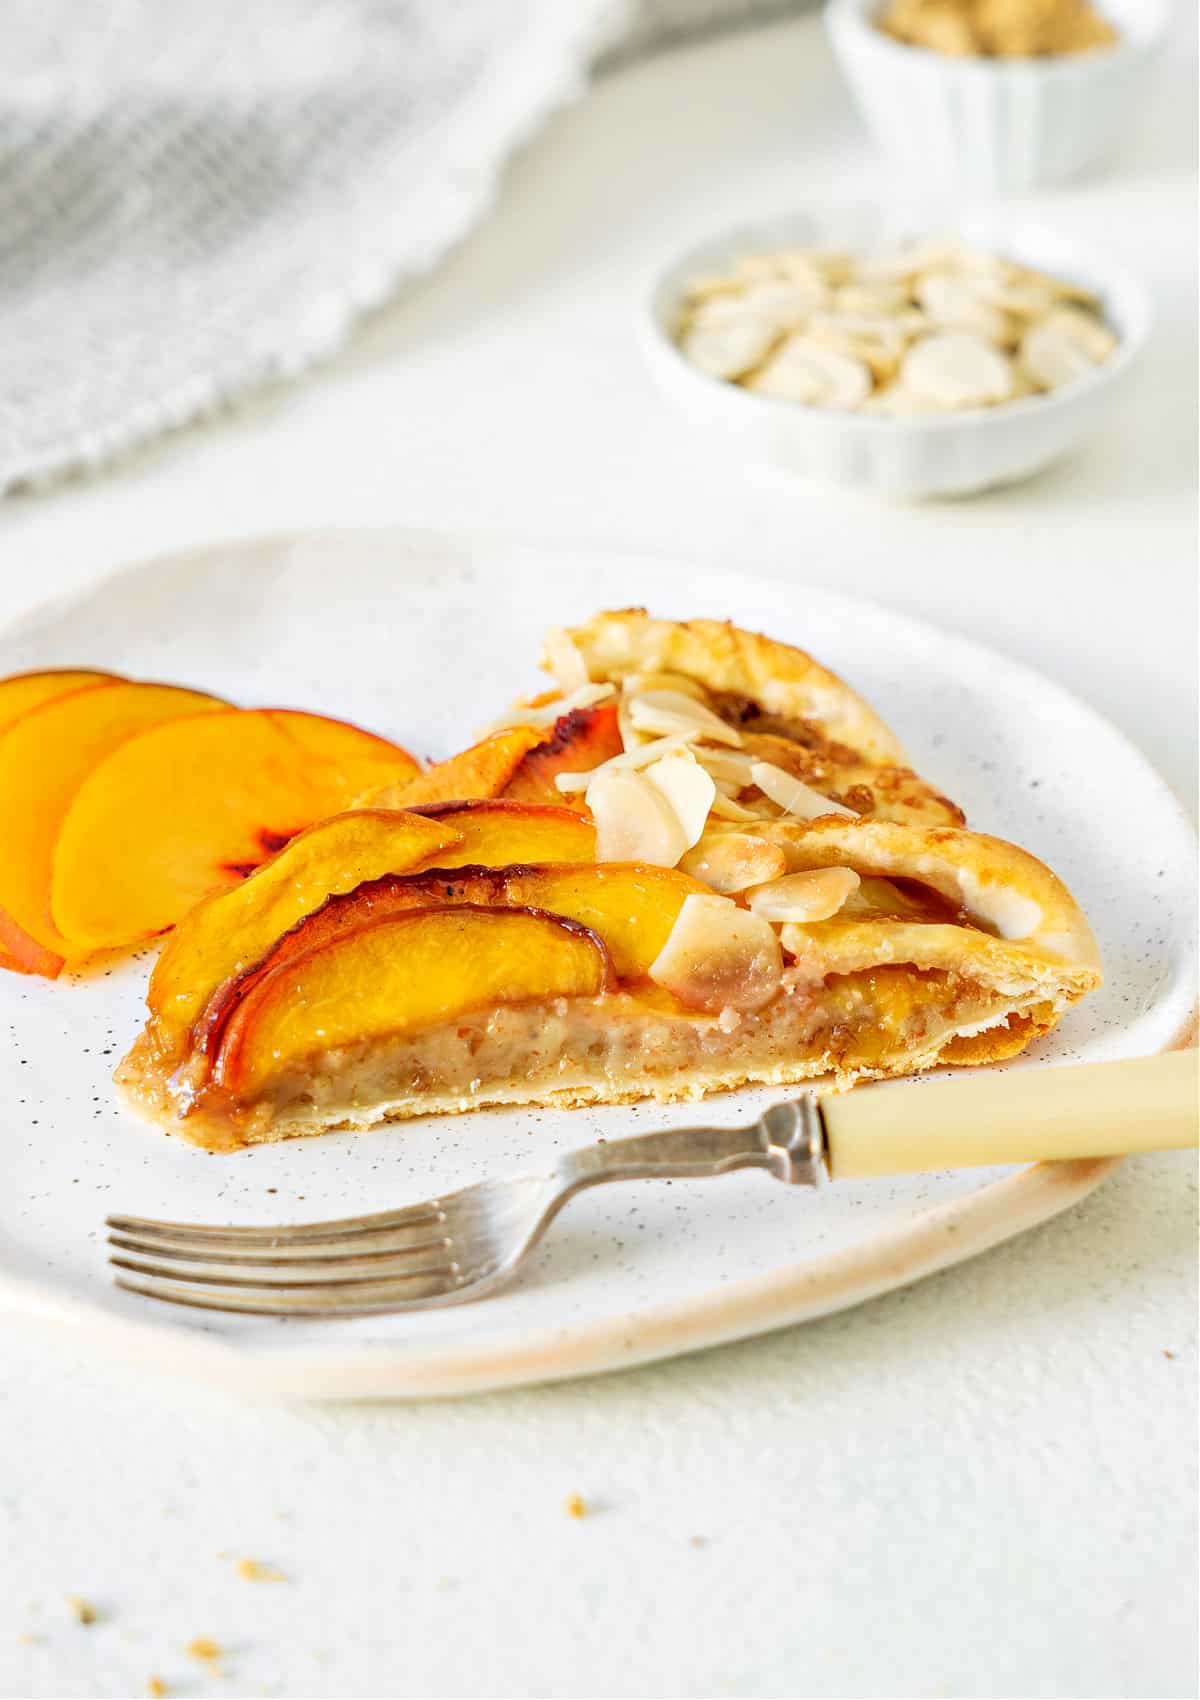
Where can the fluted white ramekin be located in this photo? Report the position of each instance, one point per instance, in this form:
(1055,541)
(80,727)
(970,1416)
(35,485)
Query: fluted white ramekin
(945,454)
(995,124)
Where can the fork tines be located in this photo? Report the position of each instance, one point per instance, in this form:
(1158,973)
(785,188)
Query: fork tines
(358,1265)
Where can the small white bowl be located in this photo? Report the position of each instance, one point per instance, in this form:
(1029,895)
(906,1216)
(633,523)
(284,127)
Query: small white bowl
(945,454)
(995,124)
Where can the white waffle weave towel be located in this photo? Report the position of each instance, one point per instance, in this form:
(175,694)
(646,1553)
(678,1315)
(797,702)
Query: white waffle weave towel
(197,196)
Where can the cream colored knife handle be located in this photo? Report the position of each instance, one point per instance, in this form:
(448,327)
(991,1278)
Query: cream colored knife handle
(1024,1116)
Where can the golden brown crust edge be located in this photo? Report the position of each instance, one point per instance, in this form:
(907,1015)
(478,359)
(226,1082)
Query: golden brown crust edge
(723,657)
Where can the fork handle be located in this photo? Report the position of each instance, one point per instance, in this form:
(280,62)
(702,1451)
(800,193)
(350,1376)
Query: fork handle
(788,1141)
(1024,1116)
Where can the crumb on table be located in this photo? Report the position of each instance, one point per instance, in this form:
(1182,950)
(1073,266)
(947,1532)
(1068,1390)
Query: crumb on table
(84,1611)
(250,1570)
(205,1649)
(576,1505)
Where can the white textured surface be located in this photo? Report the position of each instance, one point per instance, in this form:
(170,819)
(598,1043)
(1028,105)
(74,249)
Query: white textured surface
(983,1486)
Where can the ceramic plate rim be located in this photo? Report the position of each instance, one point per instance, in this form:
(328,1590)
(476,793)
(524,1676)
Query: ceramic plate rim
(934,1239)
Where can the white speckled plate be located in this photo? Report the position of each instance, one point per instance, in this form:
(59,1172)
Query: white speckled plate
(423,637)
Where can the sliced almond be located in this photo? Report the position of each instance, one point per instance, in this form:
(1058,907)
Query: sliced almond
(731,861)
(728,350)
(727,766)
(786,304)
(811,896)
(955,369)
(805,371)
(562,657)
(1064,346)
(634,820)
(642,755)
(725,808)
(718,956)
(872,298)
(909,259)
(792,795)
(546,713)
(666,712)
(956,302)
(636,684)
(689,790)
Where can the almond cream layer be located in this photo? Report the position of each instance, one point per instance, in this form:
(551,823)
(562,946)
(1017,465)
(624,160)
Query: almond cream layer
(885,1021)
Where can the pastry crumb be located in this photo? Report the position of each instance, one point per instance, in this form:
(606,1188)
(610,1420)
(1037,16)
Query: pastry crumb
(84,1612)
(250,1570)
(28,1640)
(156,1687)
(697,1540)
(1168,1354)
(203,1648)
(576,1505)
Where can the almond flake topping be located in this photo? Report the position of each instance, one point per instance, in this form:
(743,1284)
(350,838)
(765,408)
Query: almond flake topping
(729,862)
(634,820)
(726,809)
(546,713)
(666,712)
(562,656)
(727,766)
(719,957)
(689,790)
(641,755)
(792,795)
(813,896)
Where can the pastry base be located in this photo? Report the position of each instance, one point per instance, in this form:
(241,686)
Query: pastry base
(613,1049)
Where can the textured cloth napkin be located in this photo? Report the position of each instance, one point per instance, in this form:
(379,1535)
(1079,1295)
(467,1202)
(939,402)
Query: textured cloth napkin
(199,197)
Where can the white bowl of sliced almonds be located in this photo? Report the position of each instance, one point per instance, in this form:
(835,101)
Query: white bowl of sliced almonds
(850,348)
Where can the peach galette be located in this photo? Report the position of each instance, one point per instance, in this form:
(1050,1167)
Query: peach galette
(123,803)
(700,861)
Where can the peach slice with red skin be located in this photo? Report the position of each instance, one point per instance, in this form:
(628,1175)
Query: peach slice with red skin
(631,908)
(494,832)
(232,930)
(20,695)
(580,741)
(194,806)
(45,757)
(483,770)
(400,975)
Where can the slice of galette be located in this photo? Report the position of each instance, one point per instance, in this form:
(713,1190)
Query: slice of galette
(701,862)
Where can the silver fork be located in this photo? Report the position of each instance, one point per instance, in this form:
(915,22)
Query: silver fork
(448,1250)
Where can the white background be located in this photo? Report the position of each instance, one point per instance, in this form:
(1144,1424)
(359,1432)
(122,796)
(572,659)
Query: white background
(982,1486)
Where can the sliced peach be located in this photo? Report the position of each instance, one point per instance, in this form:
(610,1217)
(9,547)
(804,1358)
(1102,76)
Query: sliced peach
(495,832)
(22,954)
(580,741)
(44,758)
(349,755)
(231,930)
(481,771)
(631,908)
(20,695)
(193,807)
(23,692)
(399,975)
